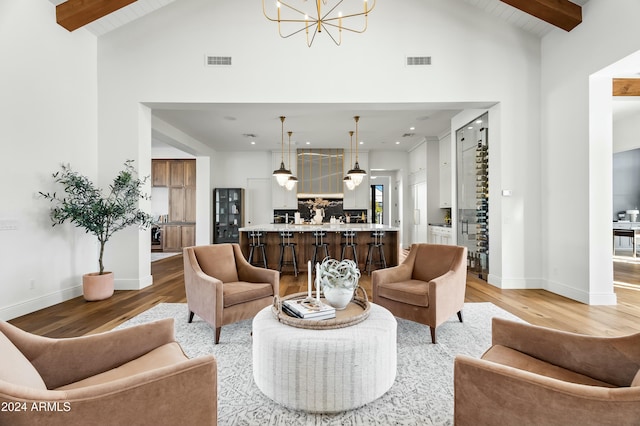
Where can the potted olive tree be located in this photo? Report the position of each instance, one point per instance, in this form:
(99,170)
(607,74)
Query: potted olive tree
(100,214)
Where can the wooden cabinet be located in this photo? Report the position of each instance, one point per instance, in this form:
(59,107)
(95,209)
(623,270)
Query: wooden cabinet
(182,204)
(160,173)
(229,214)
(175,237)
(180,178)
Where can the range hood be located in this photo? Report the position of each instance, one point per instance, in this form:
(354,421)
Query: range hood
(320,173)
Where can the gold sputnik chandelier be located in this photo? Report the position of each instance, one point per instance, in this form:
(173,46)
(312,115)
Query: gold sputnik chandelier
(327,16)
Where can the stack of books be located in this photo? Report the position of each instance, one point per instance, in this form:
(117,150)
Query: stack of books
(305,309)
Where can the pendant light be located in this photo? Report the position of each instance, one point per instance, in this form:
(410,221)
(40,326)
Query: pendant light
(291,182)
(347,179)
(282,174)
(356,174)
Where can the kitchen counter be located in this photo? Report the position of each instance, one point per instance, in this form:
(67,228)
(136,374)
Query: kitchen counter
(329,227)
(303,237)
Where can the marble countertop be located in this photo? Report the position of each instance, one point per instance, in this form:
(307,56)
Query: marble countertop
(337,227)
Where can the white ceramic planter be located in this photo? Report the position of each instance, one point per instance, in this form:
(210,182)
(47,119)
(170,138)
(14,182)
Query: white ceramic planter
(337,297)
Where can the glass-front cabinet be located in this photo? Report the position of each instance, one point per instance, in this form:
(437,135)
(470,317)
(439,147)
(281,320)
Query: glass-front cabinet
(472,156)
(229,214)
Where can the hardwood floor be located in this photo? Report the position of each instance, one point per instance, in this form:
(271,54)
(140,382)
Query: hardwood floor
(77,317)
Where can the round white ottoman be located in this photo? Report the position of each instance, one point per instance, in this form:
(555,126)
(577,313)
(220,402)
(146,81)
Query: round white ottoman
(325,371)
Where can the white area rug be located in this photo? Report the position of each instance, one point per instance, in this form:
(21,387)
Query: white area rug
(422,393)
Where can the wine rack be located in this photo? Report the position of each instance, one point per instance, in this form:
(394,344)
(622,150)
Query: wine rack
(482,205)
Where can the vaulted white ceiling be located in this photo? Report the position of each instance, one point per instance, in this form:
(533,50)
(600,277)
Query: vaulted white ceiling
(232,127)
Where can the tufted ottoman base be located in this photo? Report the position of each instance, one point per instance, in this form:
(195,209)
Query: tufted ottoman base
(325,371)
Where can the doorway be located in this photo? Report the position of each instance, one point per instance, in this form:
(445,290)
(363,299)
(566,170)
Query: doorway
(377,204)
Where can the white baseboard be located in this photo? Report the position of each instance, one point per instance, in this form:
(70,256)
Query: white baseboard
(515,283)
(37,303)
(133,284)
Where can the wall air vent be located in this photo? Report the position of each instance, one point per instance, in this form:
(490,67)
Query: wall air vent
(418,60)
(218,60)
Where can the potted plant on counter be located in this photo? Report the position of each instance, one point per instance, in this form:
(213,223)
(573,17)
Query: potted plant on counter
(339,280)
(87,207)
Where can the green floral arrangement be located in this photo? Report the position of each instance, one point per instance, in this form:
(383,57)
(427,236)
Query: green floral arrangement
(85,205)
(339,274)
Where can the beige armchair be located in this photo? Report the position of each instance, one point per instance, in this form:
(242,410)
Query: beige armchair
(133,376)
(538,376)
(427,287)
(223,288)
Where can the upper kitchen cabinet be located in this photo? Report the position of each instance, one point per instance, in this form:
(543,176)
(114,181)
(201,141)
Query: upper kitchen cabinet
(418,158)
(182,173)
(160,173)
(445,172)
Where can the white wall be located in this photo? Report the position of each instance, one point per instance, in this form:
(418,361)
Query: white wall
(576,148)
(48,116)
(626,133)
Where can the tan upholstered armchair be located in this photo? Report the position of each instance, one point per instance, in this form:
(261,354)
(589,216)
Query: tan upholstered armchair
(539,376)
(223,288)
(428,287)
(133,376)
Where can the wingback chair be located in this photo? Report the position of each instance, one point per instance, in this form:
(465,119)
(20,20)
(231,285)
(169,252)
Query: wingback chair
(534,375)
(134,376)
(427,287)
(223,288)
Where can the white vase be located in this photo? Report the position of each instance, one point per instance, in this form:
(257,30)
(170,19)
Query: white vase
(338,297)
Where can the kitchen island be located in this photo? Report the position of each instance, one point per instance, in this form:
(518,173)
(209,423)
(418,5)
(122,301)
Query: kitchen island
(303,237)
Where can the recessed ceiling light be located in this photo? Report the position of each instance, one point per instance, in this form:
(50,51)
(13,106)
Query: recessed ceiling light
(479,122)
(253,142)
(412,128)
(397,142)
(361,142)
(470,127)
(308,143)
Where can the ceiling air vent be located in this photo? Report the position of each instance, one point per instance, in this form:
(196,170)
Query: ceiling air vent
(418,60)
(218,60)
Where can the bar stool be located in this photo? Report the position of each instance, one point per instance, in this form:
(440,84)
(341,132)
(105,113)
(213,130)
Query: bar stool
(285,242)
(256,244)
(319,244)
(349,241)
(376,243)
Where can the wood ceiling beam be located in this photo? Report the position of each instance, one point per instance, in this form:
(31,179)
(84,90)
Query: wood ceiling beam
(561,13)
(74,14)
(626,87)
